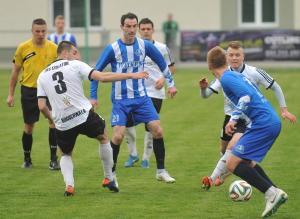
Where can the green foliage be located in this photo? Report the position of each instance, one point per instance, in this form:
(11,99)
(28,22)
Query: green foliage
(191,127)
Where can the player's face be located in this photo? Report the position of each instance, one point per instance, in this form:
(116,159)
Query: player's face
(235,57)
(146,31)
(60,24)
(39,33)
(129,29)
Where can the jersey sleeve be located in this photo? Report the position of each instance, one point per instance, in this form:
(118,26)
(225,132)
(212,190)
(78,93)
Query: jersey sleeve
(84,70)
(40,91)
(264,78)
(157,57)
(215,86)
(168,57)
(18,59)
(105,58)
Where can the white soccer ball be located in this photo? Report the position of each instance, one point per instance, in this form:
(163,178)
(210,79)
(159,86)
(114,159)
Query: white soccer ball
(240,190)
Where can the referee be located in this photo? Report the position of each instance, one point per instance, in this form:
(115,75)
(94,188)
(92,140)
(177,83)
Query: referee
(32,56)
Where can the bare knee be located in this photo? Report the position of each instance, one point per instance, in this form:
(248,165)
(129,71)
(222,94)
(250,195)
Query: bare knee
(117,137)
(28,128)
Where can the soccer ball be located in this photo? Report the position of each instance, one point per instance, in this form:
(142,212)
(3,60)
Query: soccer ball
(240,190)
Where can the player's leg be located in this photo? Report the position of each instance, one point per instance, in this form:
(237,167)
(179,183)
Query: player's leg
(27,144)
(31,114)
(66,142)
(130,136)
(207,181)
(94,127)
(119,115)
(53,165)
(148,138)
(147,114)
(254,145)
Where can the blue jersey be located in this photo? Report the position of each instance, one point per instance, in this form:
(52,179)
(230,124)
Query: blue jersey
(247,99)
(129,58)
(56,38)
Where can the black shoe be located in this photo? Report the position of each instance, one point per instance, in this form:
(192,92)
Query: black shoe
(54,165)
(27,164)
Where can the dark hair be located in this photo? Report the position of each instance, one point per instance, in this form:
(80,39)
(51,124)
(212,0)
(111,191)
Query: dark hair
(39,21)
(235,44)
(64,46)
(146,21)
(129,15)
(216,58)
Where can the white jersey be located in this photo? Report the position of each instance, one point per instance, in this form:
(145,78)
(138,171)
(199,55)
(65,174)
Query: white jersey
(155,73)
(255,75)
(62,84)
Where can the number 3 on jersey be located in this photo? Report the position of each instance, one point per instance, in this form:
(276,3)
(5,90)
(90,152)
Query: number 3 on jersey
(61,87)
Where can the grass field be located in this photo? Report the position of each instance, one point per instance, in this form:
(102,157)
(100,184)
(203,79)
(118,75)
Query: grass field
(191,127)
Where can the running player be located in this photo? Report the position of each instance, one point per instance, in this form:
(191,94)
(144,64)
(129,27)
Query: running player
(61,83)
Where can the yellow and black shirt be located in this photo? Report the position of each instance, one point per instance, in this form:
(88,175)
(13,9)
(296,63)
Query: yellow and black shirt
(34,60)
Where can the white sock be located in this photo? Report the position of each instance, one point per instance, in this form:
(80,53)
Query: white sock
(106,155)
(130,136)
(148,145)
(221,168)
(66,165)
(270,192)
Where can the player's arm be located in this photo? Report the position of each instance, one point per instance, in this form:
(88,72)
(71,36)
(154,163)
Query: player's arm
(105,58)
(265,79)
(42,103)
(281,100)
(205,90)
(156,56)
(12,84)
(110,76)
(171,64)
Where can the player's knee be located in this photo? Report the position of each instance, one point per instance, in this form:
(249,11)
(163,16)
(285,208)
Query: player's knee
(230,166)
(117,138)
(157,132)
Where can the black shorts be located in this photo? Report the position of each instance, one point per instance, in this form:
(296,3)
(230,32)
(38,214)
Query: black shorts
(240,128)
(29,102)
(157,103)
(92,127)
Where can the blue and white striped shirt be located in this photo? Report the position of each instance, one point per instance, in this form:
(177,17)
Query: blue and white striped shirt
(56,38)
(129,58)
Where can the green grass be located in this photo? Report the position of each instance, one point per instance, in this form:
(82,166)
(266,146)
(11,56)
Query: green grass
(191,127)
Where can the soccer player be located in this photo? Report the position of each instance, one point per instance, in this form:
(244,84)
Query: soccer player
(32,56)
(60,34)
(129,97)
(235,59)
(258,139)
(155,89)
(72,114)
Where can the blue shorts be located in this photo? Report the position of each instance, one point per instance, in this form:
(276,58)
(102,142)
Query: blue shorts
(256,142)
(141,109)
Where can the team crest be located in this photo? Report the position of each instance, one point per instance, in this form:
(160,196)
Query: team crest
(138,52)
(240,148)
(66,101)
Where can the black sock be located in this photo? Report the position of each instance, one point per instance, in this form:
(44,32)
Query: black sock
(27,145)
(260,170)
(116,150)
(52,143)
(251,176)
(159,152)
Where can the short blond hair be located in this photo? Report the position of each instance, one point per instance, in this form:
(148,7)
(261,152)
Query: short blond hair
(216,58)
(235,44)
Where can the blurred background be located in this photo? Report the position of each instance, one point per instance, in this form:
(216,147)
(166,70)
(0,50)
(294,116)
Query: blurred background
(268,29)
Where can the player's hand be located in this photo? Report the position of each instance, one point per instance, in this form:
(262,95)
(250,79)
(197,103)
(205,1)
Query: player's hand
(287,115)
(172,91)
(230,128)
(140,75)
(203,83)
(10,101)
(159,84)
(94,103)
